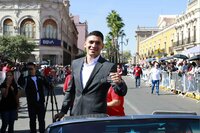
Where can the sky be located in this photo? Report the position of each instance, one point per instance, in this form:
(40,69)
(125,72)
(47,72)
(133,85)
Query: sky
(143,13)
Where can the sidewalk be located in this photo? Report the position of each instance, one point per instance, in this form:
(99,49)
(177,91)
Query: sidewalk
(22,124)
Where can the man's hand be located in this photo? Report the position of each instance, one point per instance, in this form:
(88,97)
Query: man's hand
(58,116)
(115,77)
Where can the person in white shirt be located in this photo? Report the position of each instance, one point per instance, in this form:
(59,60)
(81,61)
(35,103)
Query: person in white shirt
(34,86)
(156,77)
(91,79)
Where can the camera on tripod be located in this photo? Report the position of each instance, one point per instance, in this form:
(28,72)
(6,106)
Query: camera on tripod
(51,93)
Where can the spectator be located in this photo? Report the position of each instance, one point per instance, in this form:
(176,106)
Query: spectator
(6,67)
(115,103)
(137,72)
(9,103)
(34,89)
(156,77)
(119,70)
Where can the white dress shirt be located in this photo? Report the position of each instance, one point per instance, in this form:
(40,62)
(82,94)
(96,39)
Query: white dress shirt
(87,70)
(34,78)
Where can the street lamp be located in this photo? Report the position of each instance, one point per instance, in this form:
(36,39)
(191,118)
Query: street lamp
(123,43)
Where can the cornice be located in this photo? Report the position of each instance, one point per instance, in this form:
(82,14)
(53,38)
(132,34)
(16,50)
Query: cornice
(32,4)
(13,6)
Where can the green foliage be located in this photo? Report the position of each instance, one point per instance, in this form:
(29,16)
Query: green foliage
(127,55)
(16,47)
(115,24)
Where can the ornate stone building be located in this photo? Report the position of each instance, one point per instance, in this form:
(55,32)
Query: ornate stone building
(177,33)
(188,27)
(143,33)
(47,23)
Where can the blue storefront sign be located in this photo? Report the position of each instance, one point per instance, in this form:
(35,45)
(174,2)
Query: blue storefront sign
(50,42)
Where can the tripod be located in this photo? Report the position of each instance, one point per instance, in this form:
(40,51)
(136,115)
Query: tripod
(53,98)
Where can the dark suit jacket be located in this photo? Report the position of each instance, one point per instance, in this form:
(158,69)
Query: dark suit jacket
(92,98)
(30,89)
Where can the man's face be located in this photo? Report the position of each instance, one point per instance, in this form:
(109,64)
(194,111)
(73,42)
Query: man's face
(93,46)
(156,65)
(31,70)
(198,62)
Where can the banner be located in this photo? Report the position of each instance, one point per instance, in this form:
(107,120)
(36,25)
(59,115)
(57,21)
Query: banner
(50,42)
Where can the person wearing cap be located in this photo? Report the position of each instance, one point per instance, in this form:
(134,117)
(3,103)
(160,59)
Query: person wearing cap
(89,82)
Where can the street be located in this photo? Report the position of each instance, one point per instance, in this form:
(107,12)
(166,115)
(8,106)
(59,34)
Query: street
(141,101)
(137,101)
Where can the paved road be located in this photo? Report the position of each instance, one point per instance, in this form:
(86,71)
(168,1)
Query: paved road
(137,101)
(141,101)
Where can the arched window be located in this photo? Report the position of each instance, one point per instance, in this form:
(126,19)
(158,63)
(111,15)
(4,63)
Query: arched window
(8,27)
(50,29)
(28,28)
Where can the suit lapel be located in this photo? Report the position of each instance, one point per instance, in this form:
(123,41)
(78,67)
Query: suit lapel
(78,70)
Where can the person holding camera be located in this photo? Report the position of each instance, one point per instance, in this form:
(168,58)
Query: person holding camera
(34,89)
(9,103)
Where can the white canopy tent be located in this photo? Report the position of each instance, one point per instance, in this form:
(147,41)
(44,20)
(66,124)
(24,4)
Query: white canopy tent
(193,50)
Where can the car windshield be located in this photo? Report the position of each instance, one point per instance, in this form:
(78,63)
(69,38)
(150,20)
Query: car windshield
(131,126)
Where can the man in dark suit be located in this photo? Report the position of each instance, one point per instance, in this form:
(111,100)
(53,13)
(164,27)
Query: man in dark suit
(34,89)
(89,84)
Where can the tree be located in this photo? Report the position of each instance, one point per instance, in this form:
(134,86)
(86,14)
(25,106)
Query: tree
(127,55)
(108,47)
(16,47)
(115,23)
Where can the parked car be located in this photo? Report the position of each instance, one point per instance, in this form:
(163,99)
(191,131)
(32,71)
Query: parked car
(156,123)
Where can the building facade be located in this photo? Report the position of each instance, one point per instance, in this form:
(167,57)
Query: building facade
(82,28)
(143,33)
(47,23)
(159,44)
(188,27)
(178,33)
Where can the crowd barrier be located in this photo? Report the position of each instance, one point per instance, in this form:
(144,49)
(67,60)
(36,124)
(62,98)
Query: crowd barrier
(179,83)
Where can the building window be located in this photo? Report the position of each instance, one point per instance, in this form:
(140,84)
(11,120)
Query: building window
(8,27)
(50,29)
(188,40)
(177,38)
(165,46)
(182,40)
(28,28)
(194,34)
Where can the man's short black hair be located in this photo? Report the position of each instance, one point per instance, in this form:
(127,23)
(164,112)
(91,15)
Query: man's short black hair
(96,33)
(31,64)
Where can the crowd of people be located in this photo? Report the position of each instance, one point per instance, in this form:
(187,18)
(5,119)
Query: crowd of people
(33,79)
(187,70)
